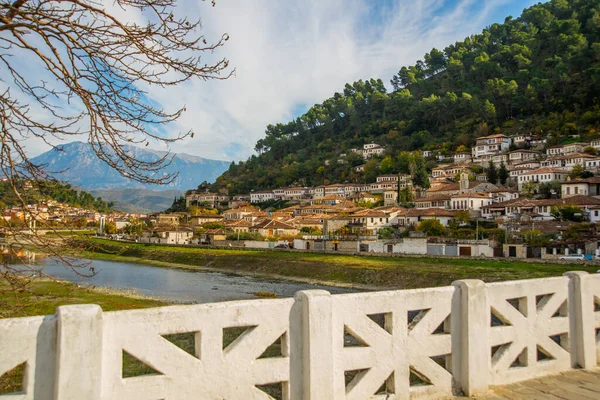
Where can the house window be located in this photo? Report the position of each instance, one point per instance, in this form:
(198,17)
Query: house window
(568,190)
(576,190)
(596,213)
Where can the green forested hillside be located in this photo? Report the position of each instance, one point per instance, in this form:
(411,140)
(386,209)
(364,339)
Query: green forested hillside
(32,193)
(538,74)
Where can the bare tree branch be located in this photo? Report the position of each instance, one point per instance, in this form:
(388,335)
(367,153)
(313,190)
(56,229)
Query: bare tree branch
(94,68)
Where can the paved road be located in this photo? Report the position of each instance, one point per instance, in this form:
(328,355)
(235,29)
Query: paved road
(570,385)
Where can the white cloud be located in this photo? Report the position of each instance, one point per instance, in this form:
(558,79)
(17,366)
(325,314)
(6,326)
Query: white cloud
(288,54)
(292,53)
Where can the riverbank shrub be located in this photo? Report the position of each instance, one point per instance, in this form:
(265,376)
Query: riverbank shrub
(245,236)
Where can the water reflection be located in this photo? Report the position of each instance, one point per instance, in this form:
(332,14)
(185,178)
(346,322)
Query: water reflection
(176,284)
(19,255)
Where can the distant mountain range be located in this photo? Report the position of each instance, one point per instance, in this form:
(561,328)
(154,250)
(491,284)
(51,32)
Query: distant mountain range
(77,164)
(138,200)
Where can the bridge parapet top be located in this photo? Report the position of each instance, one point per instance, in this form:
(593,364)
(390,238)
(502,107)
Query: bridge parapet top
(407,343)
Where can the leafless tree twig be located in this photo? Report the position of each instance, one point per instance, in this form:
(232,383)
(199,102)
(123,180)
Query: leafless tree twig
(93,68)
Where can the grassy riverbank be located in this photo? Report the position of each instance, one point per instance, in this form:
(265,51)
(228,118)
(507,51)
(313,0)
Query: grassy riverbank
(43,296)
(366,271)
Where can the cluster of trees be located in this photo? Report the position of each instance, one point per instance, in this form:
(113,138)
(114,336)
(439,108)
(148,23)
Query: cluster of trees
(34,192)
(567,213)
(497,175)
(579,172)
(244,236)
(177,206)
(461,227)
(580,231)
(539,73)
(576,232)
(197,210)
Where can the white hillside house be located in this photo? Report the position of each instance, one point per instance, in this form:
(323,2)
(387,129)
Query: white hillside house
(490,145)
(520,156)
(259,197)
(565,150)
(370,150)
(462,158)
(208,199)
(542,175)
(470,201)
(294,193)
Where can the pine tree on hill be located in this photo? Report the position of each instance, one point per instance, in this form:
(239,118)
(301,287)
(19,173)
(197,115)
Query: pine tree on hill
(538,73)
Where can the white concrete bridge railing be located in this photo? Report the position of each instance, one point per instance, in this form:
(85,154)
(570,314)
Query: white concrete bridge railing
(404,344)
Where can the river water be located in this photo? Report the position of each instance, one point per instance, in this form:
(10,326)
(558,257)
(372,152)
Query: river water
(177,284)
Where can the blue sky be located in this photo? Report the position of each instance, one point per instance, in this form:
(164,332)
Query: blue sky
(378,14)
(514,8)
(290,55)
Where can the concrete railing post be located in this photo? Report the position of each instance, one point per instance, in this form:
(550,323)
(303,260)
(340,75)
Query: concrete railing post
(78,352)
(581,320)
(311,345)
(470,327)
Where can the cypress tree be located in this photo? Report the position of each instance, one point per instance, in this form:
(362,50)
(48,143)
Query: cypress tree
(492,173)
(503,174)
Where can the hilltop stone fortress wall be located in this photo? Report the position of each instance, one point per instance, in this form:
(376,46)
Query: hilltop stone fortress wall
(422,343)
